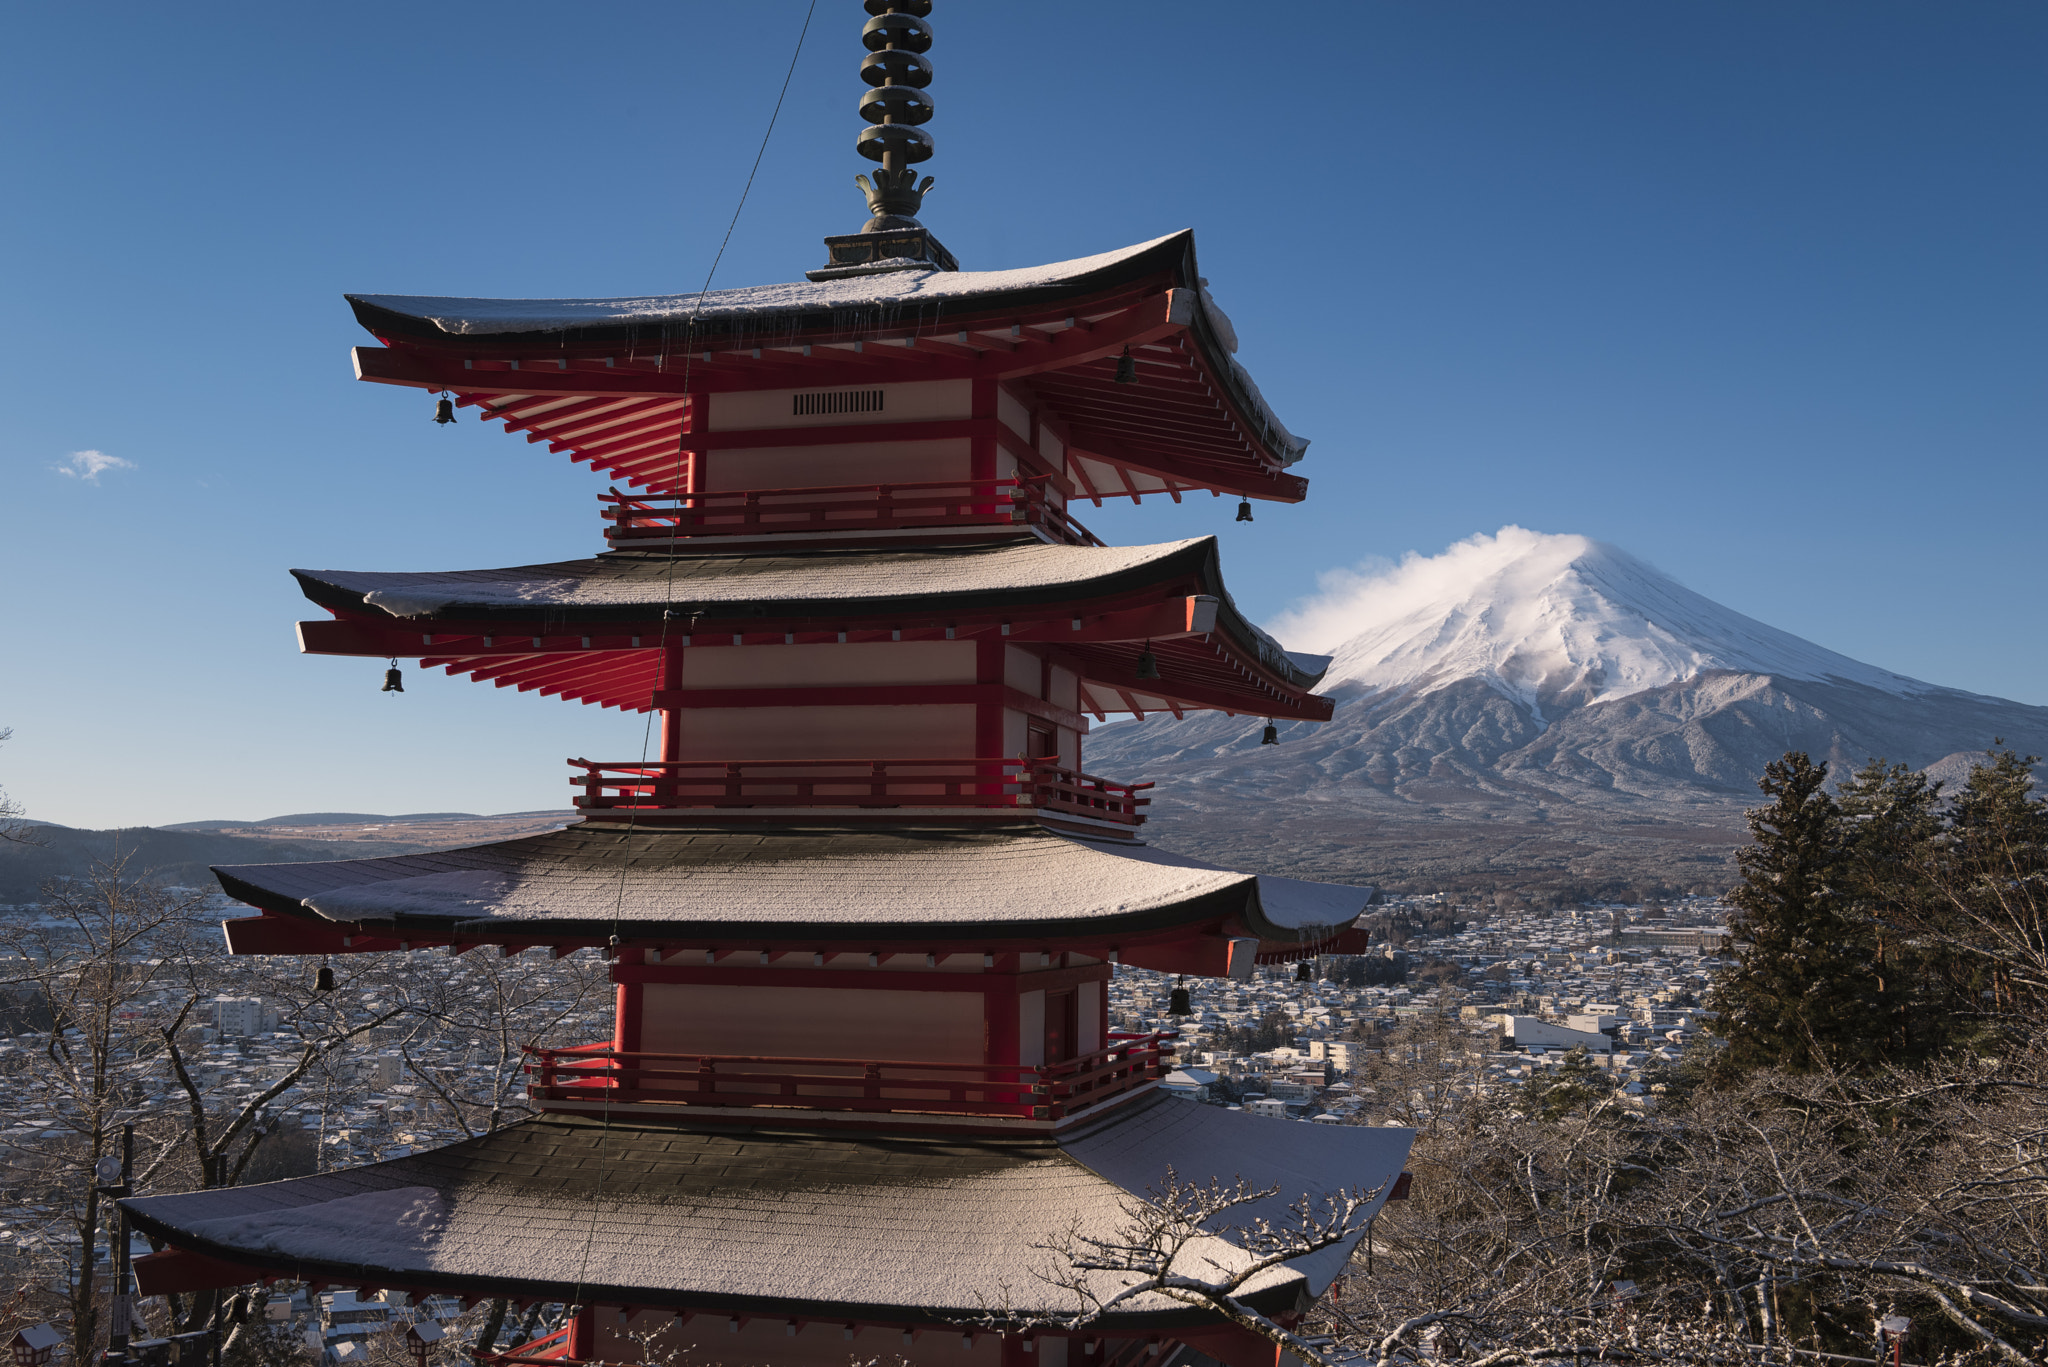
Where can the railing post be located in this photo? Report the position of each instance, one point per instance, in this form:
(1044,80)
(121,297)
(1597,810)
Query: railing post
(707,1077)
(871,1082)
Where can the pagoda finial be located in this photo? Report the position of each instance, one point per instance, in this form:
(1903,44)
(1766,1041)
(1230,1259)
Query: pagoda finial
(895,108)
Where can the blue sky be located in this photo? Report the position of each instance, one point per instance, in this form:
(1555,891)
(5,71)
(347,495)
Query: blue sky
(1754,290)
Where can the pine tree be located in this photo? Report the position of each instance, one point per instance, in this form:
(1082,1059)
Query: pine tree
(1804,992)
(1893,824)
(1993,876)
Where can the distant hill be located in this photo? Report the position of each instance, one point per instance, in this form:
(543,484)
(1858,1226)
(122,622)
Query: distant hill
(322,819)
(174,856)
(1542,712)
(183,854)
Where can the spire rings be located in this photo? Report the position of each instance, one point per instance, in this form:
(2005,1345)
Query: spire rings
(897,104)
(904,32)
(877,141)
(894,66)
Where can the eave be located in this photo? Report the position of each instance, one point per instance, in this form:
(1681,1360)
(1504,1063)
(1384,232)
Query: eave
(1207,654)
(615,396)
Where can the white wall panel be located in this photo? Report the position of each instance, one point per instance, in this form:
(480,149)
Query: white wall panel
(913,401)
(928,732)
(809,467)
(812,1022)
(1013,414)
(861,663)
(1021,669)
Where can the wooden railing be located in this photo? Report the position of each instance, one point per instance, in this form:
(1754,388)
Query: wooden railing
(637,518)
(547,1348)
(1051,1091)
(622,790)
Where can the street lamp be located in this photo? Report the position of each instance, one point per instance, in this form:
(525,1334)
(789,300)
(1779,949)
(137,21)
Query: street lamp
(34,1346)
(421,1338)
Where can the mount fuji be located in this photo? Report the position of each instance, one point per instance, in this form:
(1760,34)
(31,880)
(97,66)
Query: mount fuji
(1529,711)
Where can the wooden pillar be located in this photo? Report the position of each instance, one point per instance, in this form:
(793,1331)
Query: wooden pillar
(988,716)
(982,450)
(696,422)
(1013,1348)
(583,1334)
(628,1005)
(999,1011)
(671,711)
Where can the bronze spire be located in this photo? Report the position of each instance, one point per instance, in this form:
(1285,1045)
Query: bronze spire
(896,107)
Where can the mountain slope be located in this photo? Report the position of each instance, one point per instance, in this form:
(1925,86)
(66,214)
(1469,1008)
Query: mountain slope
(1546,708)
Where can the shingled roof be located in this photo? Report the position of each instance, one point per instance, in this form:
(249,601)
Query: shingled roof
(756,1220)
(986,883)
(855,307)
(816,583)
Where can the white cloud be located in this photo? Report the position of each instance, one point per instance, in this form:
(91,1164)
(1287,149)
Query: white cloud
(90,465)
(1378,591)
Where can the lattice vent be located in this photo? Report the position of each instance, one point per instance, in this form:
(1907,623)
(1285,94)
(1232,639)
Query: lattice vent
(837,401)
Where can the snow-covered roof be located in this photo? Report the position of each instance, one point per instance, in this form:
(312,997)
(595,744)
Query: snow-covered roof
(828,1225)
(890,289)
(823,582)
(842,578)
(793,881)
(853,306)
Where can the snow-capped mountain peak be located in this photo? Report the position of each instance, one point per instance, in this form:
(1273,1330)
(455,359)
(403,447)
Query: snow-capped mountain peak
(1551,621)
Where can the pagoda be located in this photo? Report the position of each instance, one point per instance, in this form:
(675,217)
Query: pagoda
(864,905)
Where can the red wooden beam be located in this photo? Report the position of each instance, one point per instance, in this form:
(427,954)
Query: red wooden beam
(1100,447)
(177,1271)
(1179,615)
(274,934)
(1146,321)
(936,429)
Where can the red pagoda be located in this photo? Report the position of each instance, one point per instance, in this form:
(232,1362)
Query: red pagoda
(863,907)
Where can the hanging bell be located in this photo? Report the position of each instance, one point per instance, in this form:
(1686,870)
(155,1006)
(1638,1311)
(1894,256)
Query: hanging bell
(1270,736)
(444,409)
(1177,1004)
(1303,973)
(1126,368)
(394,680)
(1244,510)
(323,981)
(1148,663)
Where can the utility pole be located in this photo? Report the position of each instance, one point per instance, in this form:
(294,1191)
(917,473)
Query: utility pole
(116,1184)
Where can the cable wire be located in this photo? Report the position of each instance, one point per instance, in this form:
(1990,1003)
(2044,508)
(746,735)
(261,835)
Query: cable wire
(667,604)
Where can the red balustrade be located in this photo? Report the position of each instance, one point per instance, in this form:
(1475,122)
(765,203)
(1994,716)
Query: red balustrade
(626,789)
(841,507)
(550,1348)
(1051,1091)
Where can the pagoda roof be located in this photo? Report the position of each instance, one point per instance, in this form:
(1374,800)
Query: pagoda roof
(816,882)
(605,379)
(828,1225)
(754,309)
(824,581)
(915,592)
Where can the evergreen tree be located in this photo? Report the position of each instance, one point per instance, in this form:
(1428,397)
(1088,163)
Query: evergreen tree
(1892,832)
(1804,992)
(1570,1086)
(1993,879)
